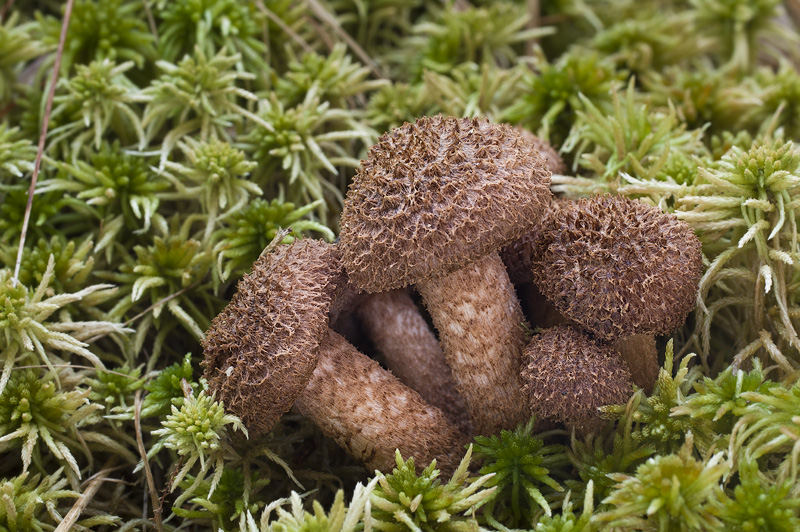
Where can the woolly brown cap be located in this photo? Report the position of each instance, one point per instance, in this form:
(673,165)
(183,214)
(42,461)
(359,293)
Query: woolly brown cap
(567,376)
(618,266)
(518,255)
(270,331)
(552,159)
(435,195)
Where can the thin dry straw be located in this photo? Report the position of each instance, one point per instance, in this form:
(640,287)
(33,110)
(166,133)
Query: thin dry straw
(42,137)
(6,7)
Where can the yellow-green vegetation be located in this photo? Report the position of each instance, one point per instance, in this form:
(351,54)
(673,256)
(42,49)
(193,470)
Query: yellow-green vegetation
(186,136)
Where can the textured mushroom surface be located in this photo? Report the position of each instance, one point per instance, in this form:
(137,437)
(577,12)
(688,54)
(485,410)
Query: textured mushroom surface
(370,413)
(518,256)
(619,266)
(435,195)
(567,376)
(552,159)
(410,350)
(483,335)
(641,356)
(270,331)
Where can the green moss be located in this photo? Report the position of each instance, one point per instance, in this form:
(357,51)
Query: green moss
(550,101)
(102,29)
(521,465)
(405,500)
(187,136)
(667,493)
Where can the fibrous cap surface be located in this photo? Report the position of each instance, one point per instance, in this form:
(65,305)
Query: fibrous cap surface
(262,349)
(552,159)
(567,375)
(518,256)
(618,266)
(435,195)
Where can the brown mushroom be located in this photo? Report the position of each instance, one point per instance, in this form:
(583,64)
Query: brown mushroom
(567,376)
(639,350)
(552,159)
(619,267)
(272,347)
(431,205)
(518,256)
(641,355)
(411,351)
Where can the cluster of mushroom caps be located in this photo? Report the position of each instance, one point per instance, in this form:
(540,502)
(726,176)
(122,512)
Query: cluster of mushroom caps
(433,207)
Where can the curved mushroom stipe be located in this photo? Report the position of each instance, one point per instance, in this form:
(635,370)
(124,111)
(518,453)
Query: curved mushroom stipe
(263,351)
(410,350)
(370,413)
(641,356)
(482,322)
(434,197)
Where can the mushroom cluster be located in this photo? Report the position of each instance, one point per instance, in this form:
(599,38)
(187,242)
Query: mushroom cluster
(429,214)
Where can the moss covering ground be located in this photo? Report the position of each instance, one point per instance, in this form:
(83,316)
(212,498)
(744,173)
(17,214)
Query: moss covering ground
(185,134)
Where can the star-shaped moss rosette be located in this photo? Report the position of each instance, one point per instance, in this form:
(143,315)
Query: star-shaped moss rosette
(521,464)
(31,333)
(669,492)
(405,501)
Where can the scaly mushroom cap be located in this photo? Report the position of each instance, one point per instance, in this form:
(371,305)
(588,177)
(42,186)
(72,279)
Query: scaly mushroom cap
(435,195)
(567,376)
(619,267)
(271,330)
(518,256)
(552,159)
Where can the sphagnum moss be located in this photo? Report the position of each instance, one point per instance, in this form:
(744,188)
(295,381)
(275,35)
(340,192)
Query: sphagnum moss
(29,332)
(667,493)
(710,76)
(405,500)
(520,463)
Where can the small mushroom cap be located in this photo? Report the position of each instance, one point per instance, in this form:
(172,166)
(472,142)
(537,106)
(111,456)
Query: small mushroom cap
(435,195)
(261,350)
(618,266)
(567,376)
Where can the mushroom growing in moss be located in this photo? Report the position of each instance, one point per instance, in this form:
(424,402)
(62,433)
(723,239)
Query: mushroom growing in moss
(410,350)
(430,206)
(619,267)
(552,159)
(272,347)
(568,375)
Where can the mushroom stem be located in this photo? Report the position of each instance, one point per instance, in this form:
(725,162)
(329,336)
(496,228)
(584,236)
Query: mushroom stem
(370,413)
(482,332)
(411,351)
(641,356)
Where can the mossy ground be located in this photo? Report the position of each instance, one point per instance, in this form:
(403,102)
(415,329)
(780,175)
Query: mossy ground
(185,134)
